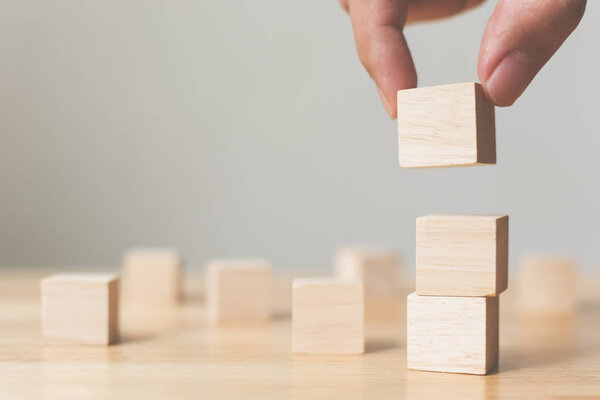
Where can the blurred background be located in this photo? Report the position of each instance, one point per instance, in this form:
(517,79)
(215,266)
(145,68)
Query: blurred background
(249,128)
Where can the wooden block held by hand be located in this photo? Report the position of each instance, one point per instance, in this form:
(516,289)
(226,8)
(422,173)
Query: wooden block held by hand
(81,308)
(446,126)
(327,316)
(377,268)
(152,276)
(238,290)
(452,334)
(462,255)
(546,285)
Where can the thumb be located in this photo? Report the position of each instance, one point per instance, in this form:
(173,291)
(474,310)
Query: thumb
(519,39)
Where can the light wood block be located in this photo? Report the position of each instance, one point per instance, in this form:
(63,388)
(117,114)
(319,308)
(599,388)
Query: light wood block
(81,308)
(377,268)
(462,255)
(238,290)
(445,126)
(546,285)
(187,359)
(152,276)
(452,334)
(327,316)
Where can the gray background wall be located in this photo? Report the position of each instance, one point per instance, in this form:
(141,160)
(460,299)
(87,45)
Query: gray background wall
(232,128)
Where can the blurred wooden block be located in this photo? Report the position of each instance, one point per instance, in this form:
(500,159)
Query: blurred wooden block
(327,316)
(384,312)
(452,334)
(462,255)
(81,308)
(239,290)
(152,276)
(445,126)
(378,269)
(546,285)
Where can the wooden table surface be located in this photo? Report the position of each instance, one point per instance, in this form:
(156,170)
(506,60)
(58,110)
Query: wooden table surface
(175,354)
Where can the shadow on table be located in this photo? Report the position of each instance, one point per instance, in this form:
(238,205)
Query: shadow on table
(376,346)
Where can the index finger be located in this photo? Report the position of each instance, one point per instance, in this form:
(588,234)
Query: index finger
(382,48)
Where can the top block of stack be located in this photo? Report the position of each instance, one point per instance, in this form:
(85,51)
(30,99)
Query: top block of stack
(462,255)
(446,126)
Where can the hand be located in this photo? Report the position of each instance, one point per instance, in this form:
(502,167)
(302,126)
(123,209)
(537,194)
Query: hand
(519,39)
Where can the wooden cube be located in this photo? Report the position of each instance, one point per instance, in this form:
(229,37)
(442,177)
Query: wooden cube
(452,334)
(81,308)
(327,316)
(239,290)
(377,268)
(152,276)
(445,126)
(546,285)
(462,255)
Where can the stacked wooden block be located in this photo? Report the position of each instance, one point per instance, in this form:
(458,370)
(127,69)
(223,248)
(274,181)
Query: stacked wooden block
(452,318)
(461,262)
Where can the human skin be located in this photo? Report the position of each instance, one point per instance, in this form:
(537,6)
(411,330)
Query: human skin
(519,39)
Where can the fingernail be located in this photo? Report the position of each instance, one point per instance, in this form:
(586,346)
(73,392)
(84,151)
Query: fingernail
(388,106)
(510,78)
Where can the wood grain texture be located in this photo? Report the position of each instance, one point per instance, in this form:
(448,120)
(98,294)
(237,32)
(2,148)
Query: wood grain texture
(546,285)
(179,355)
(81,308)
(152,276)
(238,290)
(328,316)
(378,269)
(445,126)
(452,334)
(462,255)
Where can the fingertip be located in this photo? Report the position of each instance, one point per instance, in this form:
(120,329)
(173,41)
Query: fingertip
(509,79)
(390,107)
(496,98)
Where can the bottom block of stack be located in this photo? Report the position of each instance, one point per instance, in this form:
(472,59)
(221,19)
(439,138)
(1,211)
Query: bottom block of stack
(452,334)
(328,316)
